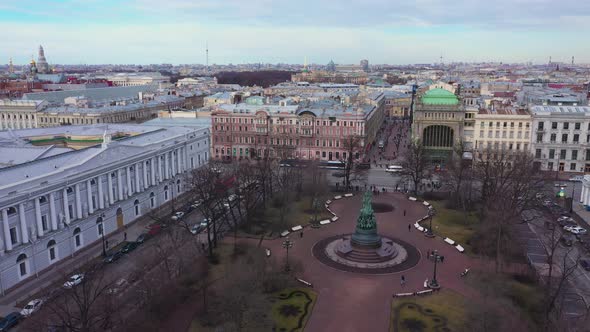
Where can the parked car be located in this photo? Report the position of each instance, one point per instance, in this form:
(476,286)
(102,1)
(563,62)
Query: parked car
(154,229)
(567,240)
(10,320)
(118,286)
(394,169)
(113,257)
(74,280)
(577,178)
(566,221)
(196,204)
(198,228)
(585,263)
(31,307)
(575,229)
(130,246)
(141,238)
(177,215)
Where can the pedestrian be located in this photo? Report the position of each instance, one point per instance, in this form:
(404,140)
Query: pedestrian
(301,235)
(403,281)
(442,259)
(125,236)
(409,227)
(203,246)
(107,243)
(404,213)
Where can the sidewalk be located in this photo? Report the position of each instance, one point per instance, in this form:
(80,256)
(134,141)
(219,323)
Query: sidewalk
(47,278)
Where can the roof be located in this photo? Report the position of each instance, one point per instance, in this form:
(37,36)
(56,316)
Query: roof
(439,97)
(95,94)
(547,110)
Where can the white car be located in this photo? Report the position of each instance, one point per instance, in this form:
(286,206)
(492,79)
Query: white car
(198,228)
(577,178)
(196,204)
(74,280)
(177,215)
(394,169)
(577,230)
(232,197)
(31,307)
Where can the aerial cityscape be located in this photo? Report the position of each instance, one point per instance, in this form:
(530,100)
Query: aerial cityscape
(266,166)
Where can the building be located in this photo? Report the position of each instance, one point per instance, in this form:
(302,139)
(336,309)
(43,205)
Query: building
(507,129)
(355,77)
(308,130)
(96,94)
(54,206)
(42,65)
(397,104)
(561,139)
(135,79)
(20,114)
(438,122)
(365,65)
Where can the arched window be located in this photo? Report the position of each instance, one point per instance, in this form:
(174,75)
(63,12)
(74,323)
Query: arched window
(78,237)
(152,200)
(52,250)
(136,207)
(23,265)
(11,210)
(42,199)
(165,193)
(177,186)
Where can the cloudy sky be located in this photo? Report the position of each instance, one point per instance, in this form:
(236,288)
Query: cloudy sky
(244,31)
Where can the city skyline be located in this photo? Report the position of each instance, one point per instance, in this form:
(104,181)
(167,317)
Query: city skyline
(177,31)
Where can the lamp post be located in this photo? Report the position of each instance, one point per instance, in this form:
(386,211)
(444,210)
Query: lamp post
(573,197)
(287,244)
(104,247)
(429,232)
(433,283)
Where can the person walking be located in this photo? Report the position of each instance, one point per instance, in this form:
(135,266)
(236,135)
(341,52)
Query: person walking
(301,235)
(125,236)
(404,213)
(409,227)
(442,259)
(402,281)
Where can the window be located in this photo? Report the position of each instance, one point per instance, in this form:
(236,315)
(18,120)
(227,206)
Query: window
(539,138)
(44,223)
(551,153)
(538,153)
(178,186)
(136,207)
(562,154)
(550,166)
(564,138)
(577,126)
(572,166)
(576,138)
(166,193)
(587,154)
(152,200)
(13,235)
(78,237)
(52,251)
(540,126)
(553,138)
(23,265)
(574,154)
(566,125)
(553,125)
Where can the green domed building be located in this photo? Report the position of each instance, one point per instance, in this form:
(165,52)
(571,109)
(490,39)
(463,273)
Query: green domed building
(438,122)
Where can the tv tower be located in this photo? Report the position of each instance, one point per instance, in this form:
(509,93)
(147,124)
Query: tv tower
(207,55)
(572,60)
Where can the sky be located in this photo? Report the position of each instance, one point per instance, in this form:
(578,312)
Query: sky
(288,31)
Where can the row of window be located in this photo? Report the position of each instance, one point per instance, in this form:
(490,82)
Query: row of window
(504,134)
(324,123)
(14,117)
(246,152)
(565,125)
(564,138)
(506,124)
(562,154)
(503,146)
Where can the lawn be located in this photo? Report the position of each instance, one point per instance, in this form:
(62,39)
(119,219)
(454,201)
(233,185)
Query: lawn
(291,308)
(453,224)
(443,311)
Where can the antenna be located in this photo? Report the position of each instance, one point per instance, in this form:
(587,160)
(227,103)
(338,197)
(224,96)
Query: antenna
(207,55)
(550,59)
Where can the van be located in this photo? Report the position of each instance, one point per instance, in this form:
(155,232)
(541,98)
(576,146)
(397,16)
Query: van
(394,169)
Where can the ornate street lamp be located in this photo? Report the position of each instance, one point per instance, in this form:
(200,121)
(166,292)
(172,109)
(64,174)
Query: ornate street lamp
(433,283)
(429,232)
(287,244)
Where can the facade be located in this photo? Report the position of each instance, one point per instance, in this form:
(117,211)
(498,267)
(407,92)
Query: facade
(136,79)
(438,121)
(20,114)
(397,104)
(53,207)
(310,130)
(331,77)
(561,138)
(502,129)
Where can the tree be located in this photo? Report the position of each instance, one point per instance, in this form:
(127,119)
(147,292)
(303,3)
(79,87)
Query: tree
(415,163)
(353,145)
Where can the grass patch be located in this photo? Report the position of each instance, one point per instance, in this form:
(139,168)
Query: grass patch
(291,308)
(454,224)
(445,309)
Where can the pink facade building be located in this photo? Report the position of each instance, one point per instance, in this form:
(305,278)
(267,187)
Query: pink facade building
(308,130)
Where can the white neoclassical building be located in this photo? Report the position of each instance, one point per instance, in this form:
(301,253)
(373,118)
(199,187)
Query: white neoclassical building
(55,205)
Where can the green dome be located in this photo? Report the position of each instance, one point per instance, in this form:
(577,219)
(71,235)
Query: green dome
(439,97)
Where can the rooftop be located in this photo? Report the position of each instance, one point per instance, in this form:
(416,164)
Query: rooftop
(439,97)
(548,110)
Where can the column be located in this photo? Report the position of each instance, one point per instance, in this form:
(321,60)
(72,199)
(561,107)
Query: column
(23,223)
(100,193)
(65,205)
(52,212)
(129,186)
(38,217)
(89,196)
(185,156)
(160,178)
(78,201)
(179,159)
(166,166)
(582,193)
(119,184)
(110,188)
(137,183)
(172,164)
(145,174)
(153,171)
(7,240)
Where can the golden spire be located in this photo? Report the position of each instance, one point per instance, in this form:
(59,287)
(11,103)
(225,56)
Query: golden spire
(33,60)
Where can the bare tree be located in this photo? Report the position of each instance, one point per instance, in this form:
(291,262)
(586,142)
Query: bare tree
(415,163)
(353,145)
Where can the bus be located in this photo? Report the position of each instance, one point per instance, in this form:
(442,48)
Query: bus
(332,164)
(394,169)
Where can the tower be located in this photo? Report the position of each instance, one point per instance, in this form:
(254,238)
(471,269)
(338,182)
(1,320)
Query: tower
(42,65)
(207,55)
(572,60)
(305,70)
(10,67)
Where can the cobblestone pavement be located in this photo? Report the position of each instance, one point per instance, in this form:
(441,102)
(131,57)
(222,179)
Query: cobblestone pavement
(356,302)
